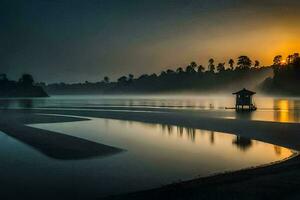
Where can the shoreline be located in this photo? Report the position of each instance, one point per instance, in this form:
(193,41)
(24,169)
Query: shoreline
(230,184)
(52,144)
(281,134)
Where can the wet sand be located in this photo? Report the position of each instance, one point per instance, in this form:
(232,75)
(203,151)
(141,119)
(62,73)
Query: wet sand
(280,180)
(282,134)
(51,144)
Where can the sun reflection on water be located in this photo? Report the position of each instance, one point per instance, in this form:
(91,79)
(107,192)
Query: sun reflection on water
(286,110)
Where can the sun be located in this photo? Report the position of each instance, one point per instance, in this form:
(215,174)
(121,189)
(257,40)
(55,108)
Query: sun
(283,62)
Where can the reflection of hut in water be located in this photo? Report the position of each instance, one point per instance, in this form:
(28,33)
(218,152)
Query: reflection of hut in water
(244,100)
(242,143)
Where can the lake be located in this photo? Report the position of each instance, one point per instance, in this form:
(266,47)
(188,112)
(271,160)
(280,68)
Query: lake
(278,109)
(153,154)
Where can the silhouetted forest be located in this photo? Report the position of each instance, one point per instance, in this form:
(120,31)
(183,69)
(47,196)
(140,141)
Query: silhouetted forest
(229,76)
(24,87)
(286,79)
(283,77)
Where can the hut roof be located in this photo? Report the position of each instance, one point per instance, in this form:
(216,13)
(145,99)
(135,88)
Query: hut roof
(245,92)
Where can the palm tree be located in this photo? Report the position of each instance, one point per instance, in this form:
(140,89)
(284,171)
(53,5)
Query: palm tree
(193,64)
(211,66)
(256,64)
(277,60)
(200,69)
(244,62)
(231,63)
(191,67)
(179,70)
(221,67)
(289,59)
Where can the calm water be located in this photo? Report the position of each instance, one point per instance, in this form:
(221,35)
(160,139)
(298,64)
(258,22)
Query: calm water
(269,108)
(154,155)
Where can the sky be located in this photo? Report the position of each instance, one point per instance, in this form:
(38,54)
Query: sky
(79,40)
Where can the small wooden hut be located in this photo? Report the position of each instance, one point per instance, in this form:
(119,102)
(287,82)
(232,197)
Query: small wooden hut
(244,100)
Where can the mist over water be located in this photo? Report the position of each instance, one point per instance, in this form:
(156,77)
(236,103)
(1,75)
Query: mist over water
(278,109)
(154,154)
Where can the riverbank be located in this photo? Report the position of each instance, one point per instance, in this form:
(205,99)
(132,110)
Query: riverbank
(277,181)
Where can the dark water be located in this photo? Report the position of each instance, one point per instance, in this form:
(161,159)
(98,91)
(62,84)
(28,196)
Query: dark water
(155,155)
(269,108)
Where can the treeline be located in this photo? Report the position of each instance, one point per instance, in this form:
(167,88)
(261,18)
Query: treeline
(286,79)
(191,78)
(283,77)
(24,87)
